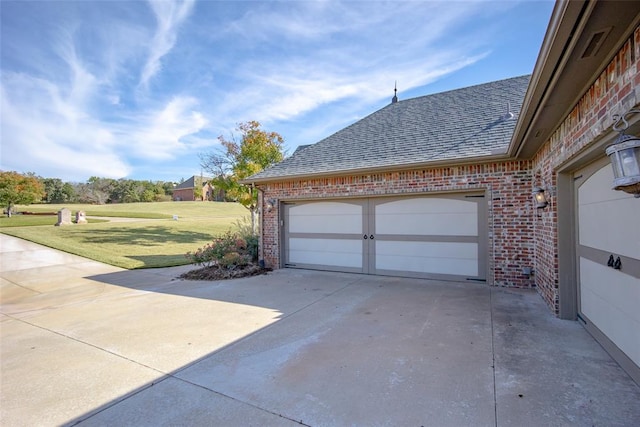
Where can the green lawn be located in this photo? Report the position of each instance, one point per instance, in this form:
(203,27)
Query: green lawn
(147,210)
(31,220)
(143,244)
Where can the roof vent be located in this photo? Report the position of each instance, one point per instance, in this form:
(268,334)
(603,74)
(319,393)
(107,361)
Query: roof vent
(508,115)
(594,43)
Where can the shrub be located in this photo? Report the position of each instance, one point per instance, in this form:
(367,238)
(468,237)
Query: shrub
(232,260)
(252,247)
(251,239)
(227,251)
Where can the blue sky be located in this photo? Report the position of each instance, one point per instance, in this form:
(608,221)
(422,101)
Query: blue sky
(137,89)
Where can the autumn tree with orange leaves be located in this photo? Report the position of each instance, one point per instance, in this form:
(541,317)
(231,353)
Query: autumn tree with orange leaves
(18,189)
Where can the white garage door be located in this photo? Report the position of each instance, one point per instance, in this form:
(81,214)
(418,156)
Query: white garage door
(609,259)
(433,237)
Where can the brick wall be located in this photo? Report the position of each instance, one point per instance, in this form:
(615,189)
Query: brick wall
(183,194)
(510,207)
(615,91)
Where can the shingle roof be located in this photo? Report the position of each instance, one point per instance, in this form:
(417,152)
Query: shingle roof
(458,124)
(191,182)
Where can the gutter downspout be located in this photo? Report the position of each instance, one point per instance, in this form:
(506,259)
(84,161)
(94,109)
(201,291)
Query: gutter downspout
(260,225)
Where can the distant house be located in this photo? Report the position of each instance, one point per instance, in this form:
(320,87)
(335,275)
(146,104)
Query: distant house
(195,188)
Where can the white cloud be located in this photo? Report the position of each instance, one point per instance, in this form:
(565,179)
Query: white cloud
(163,134)
(284,91)
(337,51)
(47,132)
(169,15)
(350,99)
(44,132)
(47,124)
(73,123)
(81,83)
(307,21)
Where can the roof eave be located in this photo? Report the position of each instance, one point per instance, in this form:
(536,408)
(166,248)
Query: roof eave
(564,71)
(559,32)
(381,169)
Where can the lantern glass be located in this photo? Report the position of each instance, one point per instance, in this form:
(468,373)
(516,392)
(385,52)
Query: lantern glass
(630,161)
(539,198)
(625,161)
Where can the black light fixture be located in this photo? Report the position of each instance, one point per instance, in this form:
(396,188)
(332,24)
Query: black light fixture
(539,198)
(271,204)
(624,155)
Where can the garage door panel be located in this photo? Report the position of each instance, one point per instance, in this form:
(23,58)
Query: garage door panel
(606,216)
(428,249)
(425,205)
(428,224)
(427,216)
(615,231)
(329,252)
(611,303)
(620,291)
(598,188)
(456,259)
(430,268)
(325,217)
(625,338)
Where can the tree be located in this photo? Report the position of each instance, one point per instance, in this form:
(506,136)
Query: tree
(98,190)
(167,187)
(57,191)
(197,191)
(21,189)
(237,160)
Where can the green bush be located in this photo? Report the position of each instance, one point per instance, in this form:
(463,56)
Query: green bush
(227,251)
(252,247)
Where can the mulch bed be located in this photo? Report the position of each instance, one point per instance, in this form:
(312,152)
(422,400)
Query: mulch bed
(217,273)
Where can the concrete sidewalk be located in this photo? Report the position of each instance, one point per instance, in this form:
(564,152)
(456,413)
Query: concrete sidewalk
(88,344)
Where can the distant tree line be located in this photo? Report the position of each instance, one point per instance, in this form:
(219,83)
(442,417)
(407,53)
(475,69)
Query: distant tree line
(17,188)
(106,190)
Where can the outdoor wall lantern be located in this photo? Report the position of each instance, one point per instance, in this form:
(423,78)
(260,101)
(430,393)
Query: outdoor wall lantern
(539,198)
(624,155)
(270,204)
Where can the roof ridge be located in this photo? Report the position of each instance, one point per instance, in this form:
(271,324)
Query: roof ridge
(465,88)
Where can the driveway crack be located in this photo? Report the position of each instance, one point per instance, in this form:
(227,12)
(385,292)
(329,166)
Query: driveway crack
(240,401)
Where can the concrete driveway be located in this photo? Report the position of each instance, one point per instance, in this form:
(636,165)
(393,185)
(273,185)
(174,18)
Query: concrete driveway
(84,343)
